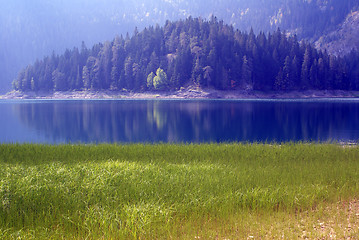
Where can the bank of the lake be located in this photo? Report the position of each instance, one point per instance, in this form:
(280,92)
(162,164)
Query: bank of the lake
(185,191)
(183,93)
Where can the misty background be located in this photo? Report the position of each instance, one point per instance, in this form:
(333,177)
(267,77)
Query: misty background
(30,30)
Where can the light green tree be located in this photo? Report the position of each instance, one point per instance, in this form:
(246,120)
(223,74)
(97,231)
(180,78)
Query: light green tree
(160,81)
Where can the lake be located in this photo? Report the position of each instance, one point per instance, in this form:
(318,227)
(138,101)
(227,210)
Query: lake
(178,121)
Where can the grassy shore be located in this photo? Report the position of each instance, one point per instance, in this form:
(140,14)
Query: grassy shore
(209,191)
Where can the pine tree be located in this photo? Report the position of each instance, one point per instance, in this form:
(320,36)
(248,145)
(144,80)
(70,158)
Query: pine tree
(59,80)
(209,54)
(296,72)
(313,75)
(287,74)
(129,73)
(306,68)
(332,81)
(207,75)
(197,73)
(247,70)
(79,81)
(321,74)
(153,64)
(137,76)
(150,78)
(96,75)
(33,85)
(86,78)
(49,68)
(26,80)
(279,81)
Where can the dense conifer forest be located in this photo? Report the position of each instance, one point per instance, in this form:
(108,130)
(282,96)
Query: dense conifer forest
(193,52)
(33,29)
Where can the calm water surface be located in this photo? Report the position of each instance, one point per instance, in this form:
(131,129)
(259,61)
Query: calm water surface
(197,121)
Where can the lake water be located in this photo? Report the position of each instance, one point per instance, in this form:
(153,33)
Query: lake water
(177,121)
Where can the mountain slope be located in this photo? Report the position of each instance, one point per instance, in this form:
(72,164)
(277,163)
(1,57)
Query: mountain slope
(191,52)
(32,29)
(344,39)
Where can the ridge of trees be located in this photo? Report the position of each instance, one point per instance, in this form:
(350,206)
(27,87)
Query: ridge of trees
(30,31)
(193,51)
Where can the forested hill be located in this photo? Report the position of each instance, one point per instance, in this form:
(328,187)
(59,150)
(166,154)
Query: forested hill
(33,29)
(193,51)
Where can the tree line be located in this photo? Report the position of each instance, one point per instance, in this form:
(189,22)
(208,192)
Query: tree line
(193,52)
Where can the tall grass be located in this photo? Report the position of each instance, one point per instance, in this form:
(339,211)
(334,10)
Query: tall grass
(162,191)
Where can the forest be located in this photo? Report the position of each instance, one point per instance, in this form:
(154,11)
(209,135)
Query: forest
(205,53)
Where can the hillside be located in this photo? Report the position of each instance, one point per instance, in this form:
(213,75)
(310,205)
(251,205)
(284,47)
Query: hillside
(33,29)
(344,39)
(192,52)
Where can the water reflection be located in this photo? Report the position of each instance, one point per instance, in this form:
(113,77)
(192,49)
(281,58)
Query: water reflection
(188,121)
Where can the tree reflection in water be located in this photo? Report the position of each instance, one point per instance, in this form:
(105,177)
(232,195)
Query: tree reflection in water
(130,121)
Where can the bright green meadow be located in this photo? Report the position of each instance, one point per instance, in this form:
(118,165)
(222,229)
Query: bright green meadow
(164,191)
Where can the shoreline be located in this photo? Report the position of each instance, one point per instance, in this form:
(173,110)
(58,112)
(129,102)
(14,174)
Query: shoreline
(189,93)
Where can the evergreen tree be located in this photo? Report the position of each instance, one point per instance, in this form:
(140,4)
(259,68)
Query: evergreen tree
(47,83)
(129,73)
(26,79)
(96,74)
(59,80)
(33,85)
(313,75)
(153,64)
(279,81)
(207,75)
(206,54)
(247,70)
(86,78)
(150,78)
(79,82)
(306,68)
(296,72)
(197,73)
(287,74)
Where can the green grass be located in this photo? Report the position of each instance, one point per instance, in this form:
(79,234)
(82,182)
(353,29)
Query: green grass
(169,191)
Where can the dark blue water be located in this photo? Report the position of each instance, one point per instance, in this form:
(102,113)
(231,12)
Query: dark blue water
(152,121)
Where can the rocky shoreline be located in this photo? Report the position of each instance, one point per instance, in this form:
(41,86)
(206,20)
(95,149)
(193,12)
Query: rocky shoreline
(189,93)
